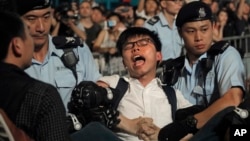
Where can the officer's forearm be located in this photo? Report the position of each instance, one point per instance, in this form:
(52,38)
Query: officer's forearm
(232,97)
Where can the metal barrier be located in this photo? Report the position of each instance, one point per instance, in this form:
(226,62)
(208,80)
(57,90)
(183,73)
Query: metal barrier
(241,43)
(109,65)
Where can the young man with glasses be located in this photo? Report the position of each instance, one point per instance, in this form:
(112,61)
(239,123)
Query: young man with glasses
(141,53)
(213,82)
(164,25)
(145,110)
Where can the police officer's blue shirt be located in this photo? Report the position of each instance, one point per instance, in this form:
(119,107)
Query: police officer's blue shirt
(171,42)
(227,71)
(53,71)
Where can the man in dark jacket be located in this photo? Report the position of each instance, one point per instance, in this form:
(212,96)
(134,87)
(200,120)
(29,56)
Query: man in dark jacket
(33,106)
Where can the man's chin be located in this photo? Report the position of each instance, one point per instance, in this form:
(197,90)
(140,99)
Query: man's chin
(39,43)
(38,46)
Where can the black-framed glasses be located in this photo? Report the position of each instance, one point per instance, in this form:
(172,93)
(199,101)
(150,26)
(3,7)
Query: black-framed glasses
(140,43)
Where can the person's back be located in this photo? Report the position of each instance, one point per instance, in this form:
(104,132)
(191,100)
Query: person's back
(33,106)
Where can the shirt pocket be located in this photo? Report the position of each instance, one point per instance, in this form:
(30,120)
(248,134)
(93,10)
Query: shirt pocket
(65,79)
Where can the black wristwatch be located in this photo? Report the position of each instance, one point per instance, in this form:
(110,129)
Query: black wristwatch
(191,122)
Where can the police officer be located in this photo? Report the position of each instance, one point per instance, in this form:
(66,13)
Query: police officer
(213,73)
(212,76)
(164,25)
(47,64)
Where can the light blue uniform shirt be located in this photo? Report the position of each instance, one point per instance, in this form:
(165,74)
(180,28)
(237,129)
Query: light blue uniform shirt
(227,71)
(53,71)
(171,42)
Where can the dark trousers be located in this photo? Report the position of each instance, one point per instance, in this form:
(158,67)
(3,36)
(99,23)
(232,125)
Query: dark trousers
(94,131)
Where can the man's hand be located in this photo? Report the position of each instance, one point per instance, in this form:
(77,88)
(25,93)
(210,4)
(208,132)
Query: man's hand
(132,126)
(148,131)
(175,131)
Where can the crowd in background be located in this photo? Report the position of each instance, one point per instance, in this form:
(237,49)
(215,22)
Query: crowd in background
(100,27)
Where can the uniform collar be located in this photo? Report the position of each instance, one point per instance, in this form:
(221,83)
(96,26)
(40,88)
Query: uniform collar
(164,21)
(186,64)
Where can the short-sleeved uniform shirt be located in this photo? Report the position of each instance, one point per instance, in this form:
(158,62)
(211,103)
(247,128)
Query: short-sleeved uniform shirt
(227,71)
(54,72)
(171,42)
(148,101)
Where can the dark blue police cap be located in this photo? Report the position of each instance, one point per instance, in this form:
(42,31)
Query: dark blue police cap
(24,6)
(193,11)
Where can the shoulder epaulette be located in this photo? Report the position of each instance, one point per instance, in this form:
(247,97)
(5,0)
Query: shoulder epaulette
(218,47)
(153,20)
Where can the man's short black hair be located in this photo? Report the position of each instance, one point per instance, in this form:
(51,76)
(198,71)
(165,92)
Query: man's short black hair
(132,32)
(111,14)
(10,26)
(101,9)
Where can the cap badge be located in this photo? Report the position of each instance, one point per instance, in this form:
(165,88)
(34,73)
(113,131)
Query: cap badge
(45,4)
(202,13)
(70,39)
